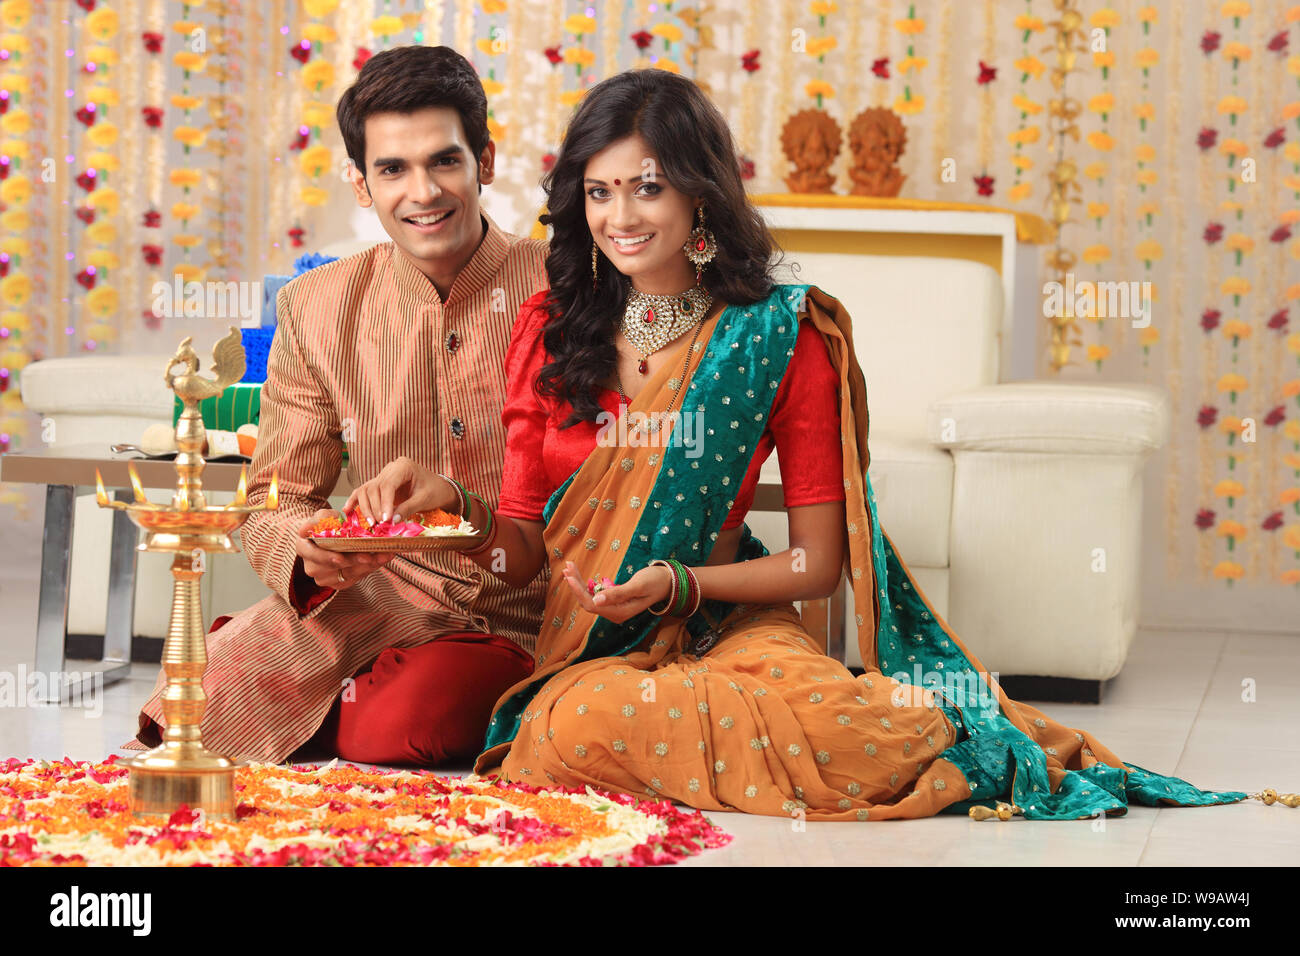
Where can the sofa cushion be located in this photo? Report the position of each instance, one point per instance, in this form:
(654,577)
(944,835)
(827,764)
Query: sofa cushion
(130,385)
(922,327)
(1052,417)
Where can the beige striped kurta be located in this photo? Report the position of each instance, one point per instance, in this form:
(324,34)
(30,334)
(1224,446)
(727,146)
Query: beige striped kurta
(368,356)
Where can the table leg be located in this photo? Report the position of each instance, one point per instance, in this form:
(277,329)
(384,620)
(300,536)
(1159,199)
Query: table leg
(56,563)
(119,622)
(52,610)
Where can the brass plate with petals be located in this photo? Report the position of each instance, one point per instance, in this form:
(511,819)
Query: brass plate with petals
(377,545)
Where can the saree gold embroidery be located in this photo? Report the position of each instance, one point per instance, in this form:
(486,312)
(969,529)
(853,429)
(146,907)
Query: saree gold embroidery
(762,721)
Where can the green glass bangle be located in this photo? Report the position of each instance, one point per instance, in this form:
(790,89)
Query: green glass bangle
(683,589)
(488,532)
(672,590)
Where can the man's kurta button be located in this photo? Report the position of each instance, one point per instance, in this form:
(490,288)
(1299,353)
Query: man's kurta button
(453,341)
(457,428)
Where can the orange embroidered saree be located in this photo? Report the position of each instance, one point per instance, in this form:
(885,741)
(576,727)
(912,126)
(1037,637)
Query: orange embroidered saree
(739,708)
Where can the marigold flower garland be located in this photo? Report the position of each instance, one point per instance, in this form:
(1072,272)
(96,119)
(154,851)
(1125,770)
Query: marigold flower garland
(151,116)
(192,59)
(1027,25)
(102,299)
(984,182)
(1102,105)
(1286,222)
(17,322)
(1148,249)
(76,814)
(578,56)
(1236,244)
(818,47)
(492,46)
(912,26)
(226,114)
(318,77)
(1174,528)
(1063,122)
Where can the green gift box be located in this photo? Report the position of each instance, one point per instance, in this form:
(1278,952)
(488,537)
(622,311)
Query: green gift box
(239,404)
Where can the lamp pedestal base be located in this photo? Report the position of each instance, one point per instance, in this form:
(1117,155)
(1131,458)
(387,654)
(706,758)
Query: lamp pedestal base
(160,782)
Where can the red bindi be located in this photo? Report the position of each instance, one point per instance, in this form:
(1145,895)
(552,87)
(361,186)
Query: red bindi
(618,182)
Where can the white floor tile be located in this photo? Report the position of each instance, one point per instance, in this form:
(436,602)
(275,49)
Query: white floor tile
(1266,684)
(1212,849)
(1246,728)
(1270,645)
(1247,822)
(1229,766)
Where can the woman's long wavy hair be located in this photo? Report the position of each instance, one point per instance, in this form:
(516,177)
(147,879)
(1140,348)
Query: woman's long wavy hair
(694,151)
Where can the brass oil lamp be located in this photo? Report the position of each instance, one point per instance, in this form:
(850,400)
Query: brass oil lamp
(180,770)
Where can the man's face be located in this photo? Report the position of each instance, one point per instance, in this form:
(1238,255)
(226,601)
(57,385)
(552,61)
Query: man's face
(423,183)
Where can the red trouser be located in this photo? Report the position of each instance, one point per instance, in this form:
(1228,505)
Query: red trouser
(421,705)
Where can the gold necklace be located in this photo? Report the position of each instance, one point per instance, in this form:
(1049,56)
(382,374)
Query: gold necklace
(650,322)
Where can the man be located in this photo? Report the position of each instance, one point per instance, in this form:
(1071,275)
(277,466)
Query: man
(396,351)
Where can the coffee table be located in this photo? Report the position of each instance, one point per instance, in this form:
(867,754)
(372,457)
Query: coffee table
(69,471)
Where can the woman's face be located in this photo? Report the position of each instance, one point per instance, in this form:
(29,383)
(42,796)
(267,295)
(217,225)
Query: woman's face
(638,219)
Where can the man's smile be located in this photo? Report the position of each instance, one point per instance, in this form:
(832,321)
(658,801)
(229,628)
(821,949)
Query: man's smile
(428,220)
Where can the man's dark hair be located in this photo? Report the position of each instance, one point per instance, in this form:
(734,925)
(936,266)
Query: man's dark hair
(410,78)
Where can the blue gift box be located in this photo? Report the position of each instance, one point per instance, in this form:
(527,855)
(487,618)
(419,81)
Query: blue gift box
(271,284)
(257,346)
(271,288)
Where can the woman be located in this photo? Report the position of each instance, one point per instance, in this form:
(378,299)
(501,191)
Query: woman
(661,301)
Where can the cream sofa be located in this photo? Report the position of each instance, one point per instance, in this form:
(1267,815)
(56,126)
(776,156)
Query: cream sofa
(1016,506)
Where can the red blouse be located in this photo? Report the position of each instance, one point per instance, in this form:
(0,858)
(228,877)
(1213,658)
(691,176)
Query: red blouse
(804,426)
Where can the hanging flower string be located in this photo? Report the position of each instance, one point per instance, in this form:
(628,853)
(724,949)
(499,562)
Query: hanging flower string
(317,75)
(192,58)
(187,178)
(1063,124)
(494,46)
(1236,243)
(910,103)
(1282,233)
(1100,105)
(1148,249)
(151,251)
(984,182)
(579,26)
(749,63)
(672,35)
(818,47)
(222,110)
(1279,322)
(1291,111)
(1021,189)
(101,301)
(18,321)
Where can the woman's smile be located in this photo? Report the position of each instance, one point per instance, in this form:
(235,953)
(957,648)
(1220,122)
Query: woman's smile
(631,244)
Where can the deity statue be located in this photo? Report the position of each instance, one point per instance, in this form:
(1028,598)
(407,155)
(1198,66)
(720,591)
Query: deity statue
(811,141)
(877,138)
